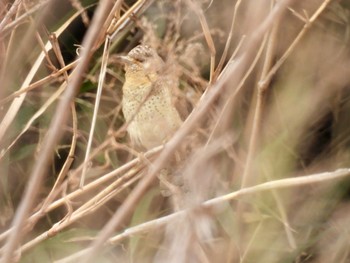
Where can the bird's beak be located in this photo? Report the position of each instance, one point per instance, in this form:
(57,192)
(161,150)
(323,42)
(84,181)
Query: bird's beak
(126,60)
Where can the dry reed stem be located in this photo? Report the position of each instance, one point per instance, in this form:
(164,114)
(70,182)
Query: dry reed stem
(53,136)
(9,14)
(17,102)
(263,85)
(233,73)
(124,169)
(86,209)
(66,166)
(110,144)
(46,80)
(295,42)
(116,24)
(228,42)
(10,26)
(96,107)
(218,204)
(259,108)
(79,7)
(35,116)
(206,31)
(229,103)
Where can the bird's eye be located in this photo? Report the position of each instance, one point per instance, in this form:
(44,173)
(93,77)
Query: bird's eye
(140,58)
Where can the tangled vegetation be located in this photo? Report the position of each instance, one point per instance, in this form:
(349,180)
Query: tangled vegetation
(263,150)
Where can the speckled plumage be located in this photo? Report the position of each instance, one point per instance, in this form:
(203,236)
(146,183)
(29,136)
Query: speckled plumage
(147,98)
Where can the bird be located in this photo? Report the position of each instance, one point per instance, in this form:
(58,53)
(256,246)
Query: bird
(148,106)
(148,98)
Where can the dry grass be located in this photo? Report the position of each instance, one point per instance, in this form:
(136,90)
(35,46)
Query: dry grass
(264,150)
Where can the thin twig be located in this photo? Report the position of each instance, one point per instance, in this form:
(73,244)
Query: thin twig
(67,164)
(18,101)
(52,77)
(219,202)
(228,42)
(54,97)
(290,49)
(50,140)
(9,14)
(8,28)
(233,75)
(96,107)
(87,208)
(89,187)
(207,35)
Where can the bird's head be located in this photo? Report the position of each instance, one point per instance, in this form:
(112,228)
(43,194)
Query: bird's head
(142,59)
